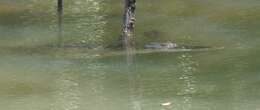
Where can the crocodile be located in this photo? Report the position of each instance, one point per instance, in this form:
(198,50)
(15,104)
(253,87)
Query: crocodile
(171,45)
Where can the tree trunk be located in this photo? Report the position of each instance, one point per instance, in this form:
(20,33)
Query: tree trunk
(128,24)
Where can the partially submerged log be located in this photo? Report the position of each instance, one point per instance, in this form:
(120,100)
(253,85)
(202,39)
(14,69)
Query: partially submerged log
(60,22)
(128,23)
(60,6)
(128,30)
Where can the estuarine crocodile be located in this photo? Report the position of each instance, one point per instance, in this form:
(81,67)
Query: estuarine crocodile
(171,45)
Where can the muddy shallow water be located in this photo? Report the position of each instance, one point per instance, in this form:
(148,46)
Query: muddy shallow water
(33,77)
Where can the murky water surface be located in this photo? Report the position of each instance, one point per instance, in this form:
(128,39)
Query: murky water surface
(35,74)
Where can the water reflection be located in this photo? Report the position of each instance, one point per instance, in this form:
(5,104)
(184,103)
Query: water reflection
(84,23)
(80,23)
(80,86)
(68,94)
(238,84)
(135,90)
(95,91)
(188,67)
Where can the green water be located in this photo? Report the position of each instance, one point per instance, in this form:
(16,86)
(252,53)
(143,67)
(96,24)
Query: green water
(35,75)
